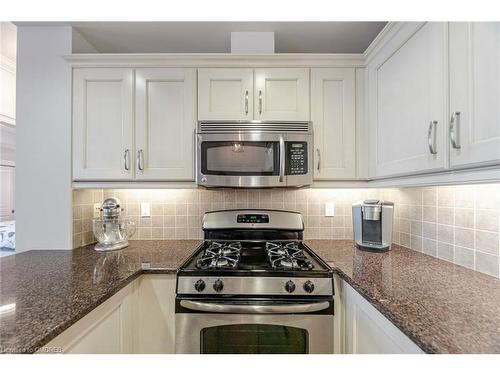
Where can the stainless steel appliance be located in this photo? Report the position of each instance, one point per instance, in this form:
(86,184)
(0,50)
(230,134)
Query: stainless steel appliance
(254,287)
(372,224)
(254,154)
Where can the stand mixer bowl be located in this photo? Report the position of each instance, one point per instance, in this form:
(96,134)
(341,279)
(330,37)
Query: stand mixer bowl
(111,229)
(112,234)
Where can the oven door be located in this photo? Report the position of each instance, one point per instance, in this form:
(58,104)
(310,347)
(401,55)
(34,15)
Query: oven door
(254,326)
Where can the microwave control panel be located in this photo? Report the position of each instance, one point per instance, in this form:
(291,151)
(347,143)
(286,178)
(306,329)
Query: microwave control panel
(296,158)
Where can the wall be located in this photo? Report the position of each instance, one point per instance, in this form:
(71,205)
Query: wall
(43,160)
(459,224)
(177,213)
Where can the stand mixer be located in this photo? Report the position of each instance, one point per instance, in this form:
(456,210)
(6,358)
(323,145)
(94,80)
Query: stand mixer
(111,229)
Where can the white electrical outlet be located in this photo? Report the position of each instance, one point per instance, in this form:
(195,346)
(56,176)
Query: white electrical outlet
(329,209)
(97,210)
(145,209)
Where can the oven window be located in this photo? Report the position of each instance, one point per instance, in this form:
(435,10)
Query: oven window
(240,158)
(254,339)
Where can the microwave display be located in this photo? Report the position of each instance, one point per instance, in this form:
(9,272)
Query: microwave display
(296,158)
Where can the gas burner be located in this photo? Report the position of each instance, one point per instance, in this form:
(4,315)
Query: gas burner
(287,256)
(220,255)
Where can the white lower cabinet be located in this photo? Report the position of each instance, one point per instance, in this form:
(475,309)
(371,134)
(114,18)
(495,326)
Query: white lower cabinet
(138,319)
(364,330)
(108,329)
(156,314)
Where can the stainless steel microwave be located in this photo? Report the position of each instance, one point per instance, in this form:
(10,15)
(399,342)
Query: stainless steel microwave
(254,154)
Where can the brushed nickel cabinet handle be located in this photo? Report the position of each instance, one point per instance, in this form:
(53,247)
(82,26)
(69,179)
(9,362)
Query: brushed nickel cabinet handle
(431,137)
(319,159)
(140,160)
(246,102)
(126,159)
(455,130)
(282,159)
(260,102)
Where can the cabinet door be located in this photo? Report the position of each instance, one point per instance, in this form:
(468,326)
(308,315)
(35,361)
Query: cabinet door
(407,85)
(156,317)
(281,94)
(225,94)
(333,116)
(108,329)
(474,93)
(103,124)
(165,123)
(367,331)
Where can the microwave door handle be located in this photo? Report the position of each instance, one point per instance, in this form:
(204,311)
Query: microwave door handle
(282,158)
(255,309)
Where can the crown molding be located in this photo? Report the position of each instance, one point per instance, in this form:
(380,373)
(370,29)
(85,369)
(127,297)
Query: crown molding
(381,39)
(196,60)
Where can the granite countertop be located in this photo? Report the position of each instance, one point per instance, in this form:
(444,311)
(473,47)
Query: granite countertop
(442,307)
(52,289)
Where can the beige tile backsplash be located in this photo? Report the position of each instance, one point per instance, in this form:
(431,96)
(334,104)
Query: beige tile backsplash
(459,224)
(177,213)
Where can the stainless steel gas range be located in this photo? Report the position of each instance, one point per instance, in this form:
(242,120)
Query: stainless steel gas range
(254,287)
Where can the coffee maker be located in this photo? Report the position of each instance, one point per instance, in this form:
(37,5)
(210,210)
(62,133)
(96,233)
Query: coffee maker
(372,224)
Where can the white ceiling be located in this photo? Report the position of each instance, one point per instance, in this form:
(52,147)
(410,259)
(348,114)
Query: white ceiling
(214,37)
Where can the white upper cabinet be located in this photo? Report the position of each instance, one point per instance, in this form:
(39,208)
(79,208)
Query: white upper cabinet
(281,94)
(165,123)
(225,94)
(270,94)
(474,93)
(407,101)
(333,115)
(103,124)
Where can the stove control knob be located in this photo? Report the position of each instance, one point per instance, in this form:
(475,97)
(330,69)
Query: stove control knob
(218,285)
(290,286)
(199,285)
(309,286)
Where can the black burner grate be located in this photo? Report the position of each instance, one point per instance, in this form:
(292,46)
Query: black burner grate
(220,255)
(284,256)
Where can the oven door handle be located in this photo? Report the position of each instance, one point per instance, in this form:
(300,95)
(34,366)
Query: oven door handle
(255,309)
